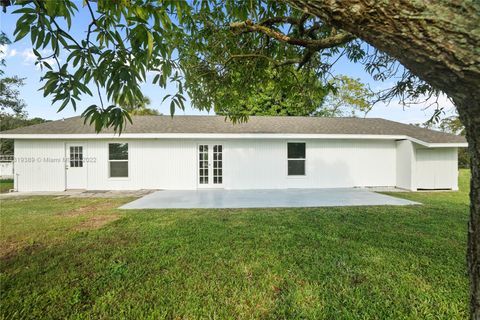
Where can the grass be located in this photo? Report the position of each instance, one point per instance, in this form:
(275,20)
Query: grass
(82,258)
(5,185)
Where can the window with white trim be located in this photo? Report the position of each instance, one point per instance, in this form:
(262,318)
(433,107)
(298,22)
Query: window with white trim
(296,158)
(118,160)
(76,156)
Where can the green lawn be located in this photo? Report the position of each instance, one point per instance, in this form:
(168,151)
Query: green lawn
(81,258)
(5,185)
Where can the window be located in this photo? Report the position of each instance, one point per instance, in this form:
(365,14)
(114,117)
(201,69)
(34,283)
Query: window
(118,160)
(296,158)
(203,163)
(217,164)
(76,156)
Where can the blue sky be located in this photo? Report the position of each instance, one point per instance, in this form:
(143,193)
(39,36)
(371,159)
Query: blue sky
(21,62)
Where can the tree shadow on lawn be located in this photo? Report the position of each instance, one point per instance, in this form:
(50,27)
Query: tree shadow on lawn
(264,263)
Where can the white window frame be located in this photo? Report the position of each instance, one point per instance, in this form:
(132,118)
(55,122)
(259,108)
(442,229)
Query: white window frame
(110,161)
(203,168)
(210,185)
(218,176)
(293,176)
(76,159)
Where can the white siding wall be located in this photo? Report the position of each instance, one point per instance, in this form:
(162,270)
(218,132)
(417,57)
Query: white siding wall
(39,165)
(405,165)
(153,164)
(436,168)
(329,164)
(172,164)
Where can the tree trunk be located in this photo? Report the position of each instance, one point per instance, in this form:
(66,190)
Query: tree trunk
(472,124)
(439,41)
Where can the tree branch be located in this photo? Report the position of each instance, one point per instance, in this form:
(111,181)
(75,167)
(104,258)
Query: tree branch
(261,56)
(329,42)
(274,20)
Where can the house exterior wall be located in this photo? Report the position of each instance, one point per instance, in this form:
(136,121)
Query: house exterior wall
(329,164)
(405,168)
(436,168)
(39,165)
(153,164)
(248,164)
(172,164)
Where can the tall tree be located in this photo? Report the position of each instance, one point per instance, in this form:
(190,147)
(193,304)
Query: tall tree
(7,122)
(349,98)
(10,101)
(12,107)
(437,42)
(139,107)
(453,125)
(276,96)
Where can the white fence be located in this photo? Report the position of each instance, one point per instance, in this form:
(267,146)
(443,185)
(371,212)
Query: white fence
(6,167)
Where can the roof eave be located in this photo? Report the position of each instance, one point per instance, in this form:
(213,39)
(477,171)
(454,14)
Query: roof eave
(448,145)
(19,136)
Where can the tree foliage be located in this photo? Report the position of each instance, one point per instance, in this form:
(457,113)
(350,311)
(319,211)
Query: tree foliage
(8,122)
(350,98)
(453,125)
(118,49)
(140,107)
(10,101)
(273,97)
(196,46)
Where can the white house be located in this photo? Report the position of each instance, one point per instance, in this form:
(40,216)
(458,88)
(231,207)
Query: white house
(192,152)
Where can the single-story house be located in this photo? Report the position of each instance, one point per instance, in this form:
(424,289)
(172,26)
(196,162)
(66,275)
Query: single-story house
(193,152)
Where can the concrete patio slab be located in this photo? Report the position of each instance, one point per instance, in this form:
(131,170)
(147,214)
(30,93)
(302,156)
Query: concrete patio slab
(169,199)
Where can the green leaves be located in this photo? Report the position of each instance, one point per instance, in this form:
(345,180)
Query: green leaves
(172,107)
(3,42)
(112,116)
(63,86)
(348,97)
(10,97)
(113,56)
(188,44)
(149,44)
(282,93)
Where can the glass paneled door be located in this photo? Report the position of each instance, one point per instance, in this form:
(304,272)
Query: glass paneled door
(76,173)
(210,165)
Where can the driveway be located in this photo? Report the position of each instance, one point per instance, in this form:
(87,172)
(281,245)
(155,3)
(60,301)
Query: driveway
(274,198)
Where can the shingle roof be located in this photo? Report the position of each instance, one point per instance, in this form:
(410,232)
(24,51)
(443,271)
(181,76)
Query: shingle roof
(260,124)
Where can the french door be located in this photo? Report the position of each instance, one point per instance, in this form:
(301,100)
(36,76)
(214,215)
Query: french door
(210,165)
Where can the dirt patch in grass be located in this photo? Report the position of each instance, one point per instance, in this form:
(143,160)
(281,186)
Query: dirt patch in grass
(88,209)
(12,249)
(96,222)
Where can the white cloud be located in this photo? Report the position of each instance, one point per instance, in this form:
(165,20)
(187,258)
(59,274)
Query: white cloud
(29,56)
(7,52)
